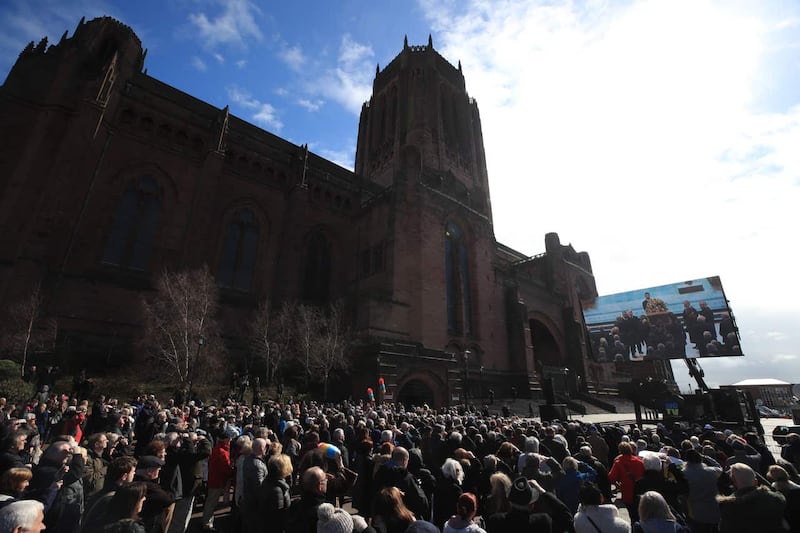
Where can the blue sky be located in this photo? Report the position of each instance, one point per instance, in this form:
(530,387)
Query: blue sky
(661,136)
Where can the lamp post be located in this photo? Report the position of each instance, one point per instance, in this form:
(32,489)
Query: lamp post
(467,353)
(380,373)
(480,384)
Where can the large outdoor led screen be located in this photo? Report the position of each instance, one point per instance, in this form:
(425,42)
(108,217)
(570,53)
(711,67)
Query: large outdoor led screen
(681,320)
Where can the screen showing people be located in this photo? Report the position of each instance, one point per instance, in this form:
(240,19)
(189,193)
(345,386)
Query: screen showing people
(681,320)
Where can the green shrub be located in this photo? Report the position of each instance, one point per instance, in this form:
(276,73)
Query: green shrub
(16,390)
(9,369)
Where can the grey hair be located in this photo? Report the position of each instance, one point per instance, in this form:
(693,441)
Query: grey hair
(531,445)
(451,469)
(22,513)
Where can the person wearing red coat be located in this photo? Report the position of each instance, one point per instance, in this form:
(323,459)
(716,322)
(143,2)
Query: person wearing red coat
(220,472)
(627,469)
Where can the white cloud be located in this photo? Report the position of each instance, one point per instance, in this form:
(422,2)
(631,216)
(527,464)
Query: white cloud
(267,116)
(343,158)
(241,63)
(219,57)
(311,105)
(199,64)
(235,25)
(350,82)
(632,129)
(282,91)
(353,54)
(293,57)
(776,335)
(262,113)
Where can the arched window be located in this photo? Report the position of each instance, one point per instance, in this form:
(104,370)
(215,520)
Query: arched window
(130,241)
(318,269)
(456,258)
(238,259)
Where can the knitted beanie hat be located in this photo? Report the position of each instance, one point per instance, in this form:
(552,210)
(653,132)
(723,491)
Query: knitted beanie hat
(333,520)
(359,524)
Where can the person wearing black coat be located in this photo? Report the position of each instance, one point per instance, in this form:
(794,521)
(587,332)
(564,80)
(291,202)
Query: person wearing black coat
(157,500)
(61,461)
(394,473)
(190,459)
(520,519)
(448,489)
(423,476)
(664,477)
(275,499)
(303,514)
(13,446)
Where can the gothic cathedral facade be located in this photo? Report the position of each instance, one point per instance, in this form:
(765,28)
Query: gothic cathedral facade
(111,176)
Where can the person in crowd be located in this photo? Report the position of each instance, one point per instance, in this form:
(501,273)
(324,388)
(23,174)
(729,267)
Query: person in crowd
(448,489)
(124,509)
(594,514)
(96,465)
(791,491)
(24,516)
(333,520)
(13,483)
(121,473)
(750,507)
(303,515)
(253,474)
(241,448)
(364,466)
(464,519)
(568,486)
(497,501)
(159,504)
(702,474)
(520,518)
(13,449)
(220,472)
(790,450)
(394,473)
(61,466)
(422,476)
(625,471)
(390,515)
(275,498)
(655,516)
(663,476)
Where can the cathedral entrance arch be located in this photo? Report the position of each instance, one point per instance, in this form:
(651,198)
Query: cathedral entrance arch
(548,347)
(421,388)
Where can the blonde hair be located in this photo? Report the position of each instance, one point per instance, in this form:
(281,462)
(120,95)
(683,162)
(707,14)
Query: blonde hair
(280,466)
(501,488)
(652,505)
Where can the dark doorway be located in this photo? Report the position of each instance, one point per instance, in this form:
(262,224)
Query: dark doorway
(415,392)
(545,348)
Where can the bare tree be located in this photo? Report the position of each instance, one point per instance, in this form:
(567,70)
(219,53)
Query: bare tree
(180,327)
(332,341)
(27,331)
(272,336)
(307,319)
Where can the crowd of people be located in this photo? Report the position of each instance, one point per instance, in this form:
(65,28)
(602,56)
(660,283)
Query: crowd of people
(303,467)
(661,334)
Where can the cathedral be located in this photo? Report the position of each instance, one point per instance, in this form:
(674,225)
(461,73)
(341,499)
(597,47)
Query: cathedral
(108,176)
